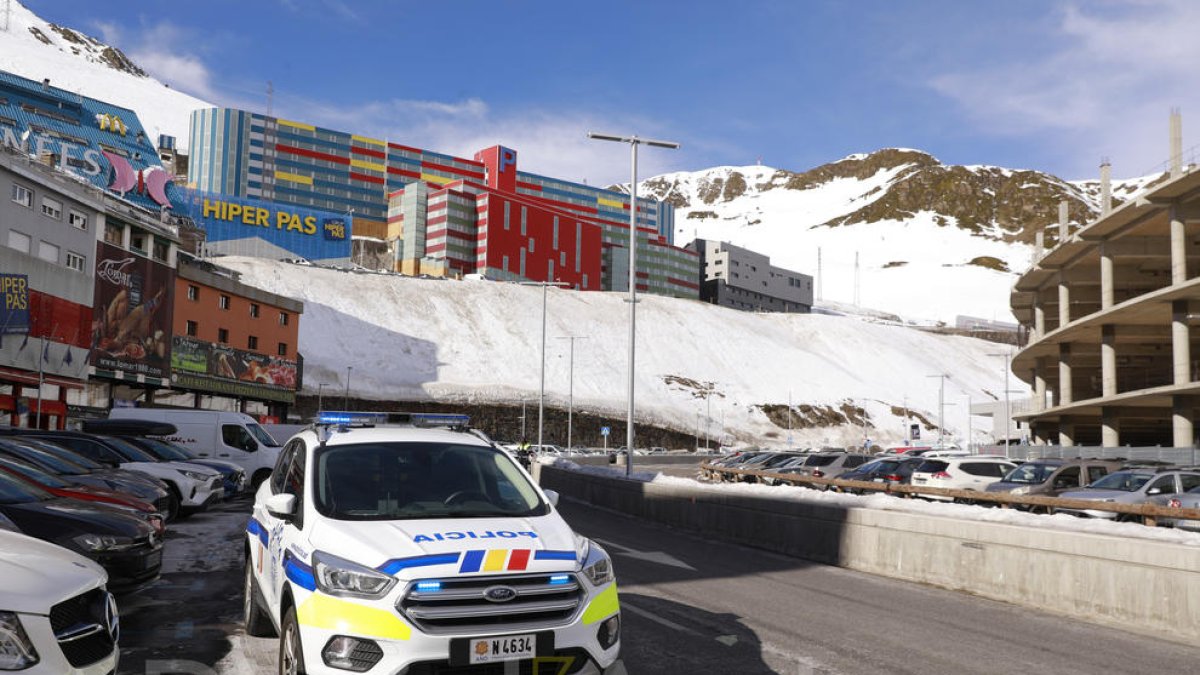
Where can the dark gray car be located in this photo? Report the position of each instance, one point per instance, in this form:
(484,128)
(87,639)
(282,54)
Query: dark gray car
(1131,486)
(1051,477)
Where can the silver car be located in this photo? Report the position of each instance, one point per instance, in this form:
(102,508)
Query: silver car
(1185,500)
(1131,486)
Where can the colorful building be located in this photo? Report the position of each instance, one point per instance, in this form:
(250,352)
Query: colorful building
(399,194)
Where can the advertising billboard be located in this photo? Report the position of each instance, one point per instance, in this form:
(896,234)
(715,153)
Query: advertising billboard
(14,303)
(242,226)
(131,324)
(203,365)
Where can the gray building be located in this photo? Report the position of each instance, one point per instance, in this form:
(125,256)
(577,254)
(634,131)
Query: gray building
(739,278)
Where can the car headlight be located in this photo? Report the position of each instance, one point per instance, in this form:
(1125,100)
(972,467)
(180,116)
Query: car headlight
(597,566)
(195,475)
(16,650)
(98,543)
(337,576)
(1019,491)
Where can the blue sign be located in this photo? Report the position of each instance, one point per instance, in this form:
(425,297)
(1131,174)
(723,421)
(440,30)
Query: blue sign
(14,303)
(240,226)
(604,431)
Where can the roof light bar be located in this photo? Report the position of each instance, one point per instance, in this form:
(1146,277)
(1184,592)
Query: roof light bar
(343,418)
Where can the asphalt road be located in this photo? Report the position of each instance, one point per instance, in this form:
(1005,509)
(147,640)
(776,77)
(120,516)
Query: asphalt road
(689,606)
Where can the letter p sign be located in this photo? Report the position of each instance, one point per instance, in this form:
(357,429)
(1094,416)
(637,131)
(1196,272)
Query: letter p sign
(507,158)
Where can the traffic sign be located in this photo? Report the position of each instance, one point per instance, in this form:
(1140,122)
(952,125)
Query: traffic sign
(604,431)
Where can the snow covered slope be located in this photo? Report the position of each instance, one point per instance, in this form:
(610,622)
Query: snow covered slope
(38,50)
(455,341)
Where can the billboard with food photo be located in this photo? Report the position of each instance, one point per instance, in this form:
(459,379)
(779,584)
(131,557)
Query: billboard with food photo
(211,361)
(131,325)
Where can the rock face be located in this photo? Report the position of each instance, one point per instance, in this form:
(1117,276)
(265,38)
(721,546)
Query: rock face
(90,48)
(991,202)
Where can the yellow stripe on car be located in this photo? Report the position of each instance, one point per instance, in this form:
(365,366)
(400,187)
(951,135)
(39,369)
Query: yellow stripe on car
(602,606)
(350,618)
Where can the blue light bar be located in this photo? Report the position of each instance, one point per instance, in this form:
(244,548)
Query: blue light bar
(345,417)
(559,579)
(429,586)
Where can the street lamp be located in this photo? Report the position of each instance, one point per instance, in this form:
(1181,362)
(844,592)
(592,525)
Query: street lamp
(633,142)
(941,407)
(542,387)
(571,386)
(1007,406)
(346,396)
(320,386)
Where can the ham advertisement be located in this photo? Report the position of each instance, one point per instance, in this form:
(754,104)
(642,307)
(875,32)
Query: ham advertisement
(205,359)
(131,324)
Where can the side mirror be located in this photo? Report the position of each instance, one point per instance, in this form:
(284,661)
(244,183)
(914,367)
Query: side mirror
(552,497)
(1154,491)
(282,506)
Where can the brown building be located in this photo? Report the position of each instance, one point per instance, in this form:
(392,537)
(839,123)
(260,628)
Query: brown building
(233,342)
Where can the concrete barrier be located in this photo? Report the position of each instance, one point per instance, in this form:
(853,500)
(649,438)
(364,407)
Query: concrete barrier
(1138,585)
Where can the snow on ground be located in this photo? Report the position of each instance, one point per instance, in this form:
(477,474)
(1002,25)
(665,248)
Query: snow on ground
(1058,521)
(406,338)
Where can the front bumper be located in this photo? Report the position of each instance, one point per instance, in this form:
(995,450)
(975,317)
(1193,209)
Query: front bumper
(130,570)
(203,494)
(53,661)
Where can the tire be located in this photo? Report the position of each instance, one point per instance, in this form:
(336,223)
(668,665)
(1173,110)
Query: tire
(258,478)
(173,503)
(291,652)
(257,623)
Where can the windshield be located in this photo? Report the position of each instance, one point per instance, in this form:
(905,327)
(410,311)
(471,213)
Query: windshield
(262,436)
(1030,474)
(45,459)
(1125,481)
(71,457)
(820,460)
(395,481)
(162,449)
(129,451)
(16,491)
(33,473)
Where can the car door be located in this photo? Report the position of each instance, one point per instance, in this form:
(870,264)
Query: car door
(1163,485)
(288,478)
(1067,479)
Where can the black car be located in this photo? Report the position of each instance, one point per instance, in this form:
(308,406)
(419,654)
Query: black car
(128,548)
(60,461)
(893,470)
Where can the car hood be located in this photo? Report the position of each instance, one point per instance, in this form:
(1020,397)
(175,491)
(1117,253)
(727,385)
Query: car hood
(38,575)
(60,519)
(112,496)
(219,465)
(414,548)
(165,468)
(1101,495)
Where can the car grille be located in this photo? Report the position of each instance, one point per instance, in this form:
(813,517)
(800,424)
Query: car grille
(460,606)
(574,660)
(83,627)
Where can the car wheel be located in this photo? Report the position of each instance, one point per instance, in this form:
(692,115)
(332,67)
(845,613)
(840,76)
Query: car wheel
(255,618)
(172,503)
(291,654)
(258,478)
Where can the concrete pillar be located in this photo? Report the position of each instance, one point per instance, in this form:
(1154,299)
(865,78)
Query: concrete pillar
(1179,271)
(1039,318)
(1039,387)
(1066,431)
(1063,214)
(1108,360)
(1106,278)
(1110,429)
(1105,188)
(1182,426)
(1181,346)
(1064,302)
(1039,245)
(1064,374)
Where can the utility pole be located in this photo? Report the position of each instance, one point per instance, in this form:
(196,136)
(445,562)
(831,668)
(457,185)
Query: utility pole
(571,386)
(542,387)
(1007,405)
(941,407)
(346,396)
(707,416)
(790,444)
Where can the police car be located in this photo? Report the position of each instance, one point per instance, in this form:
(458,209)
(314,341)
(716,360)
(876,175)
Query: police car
(402,543)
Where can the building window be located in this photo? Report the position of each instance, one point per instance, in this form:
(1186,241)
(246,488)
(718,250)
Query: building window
(223,335)
(283,319)
(252,342)
(75,261)
(48,252)
(138,241)
(78,219)
(282,349)
(22,195)
(161,248)
(193,292)
(51,208)
(192,328)
(254,310)
(224,302)
(113,234)
(19,241)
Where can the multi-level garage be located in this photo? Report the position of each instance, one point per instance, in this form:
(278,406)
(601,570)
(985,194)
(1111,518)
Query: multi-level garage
(1112,356)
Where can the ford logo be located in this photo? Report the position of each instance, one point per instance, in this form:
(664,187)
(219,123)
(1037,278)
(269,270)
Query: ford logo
(499,593)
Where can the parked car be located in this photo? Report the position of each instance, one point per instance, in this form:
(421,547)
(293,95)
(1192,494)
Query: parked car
(1133,485)
(1052,477)
(893,470)
(767,462)
(60,487)
(827,465)
(51,592)
(128,548)
(59,461)
(233,477)
(1186,500)
(960,473)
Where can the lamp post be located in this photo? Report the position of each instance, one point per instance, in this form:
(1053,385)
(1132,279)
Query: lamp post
(346,396)
(633,142)
(1007,405)
(542,386)
(571,386)
(941,407)
(320,386)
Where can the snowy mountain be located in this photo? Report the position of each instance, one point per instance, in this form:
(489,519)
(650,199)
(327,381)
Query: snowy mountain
(411,339)
(71,60)
(896,230)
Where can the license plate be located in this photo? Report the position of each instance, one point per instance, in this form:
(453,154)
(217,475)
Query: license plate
(506,648)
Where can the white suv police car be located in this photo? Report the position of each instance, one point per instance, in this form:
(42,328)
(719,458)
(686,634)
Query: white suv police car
(392,543)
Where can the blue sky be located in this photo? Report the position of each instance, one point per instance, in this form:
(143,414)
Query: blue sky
(1036,84)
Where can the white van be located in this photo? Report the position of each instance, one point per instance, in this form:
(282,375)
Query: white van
(215,434)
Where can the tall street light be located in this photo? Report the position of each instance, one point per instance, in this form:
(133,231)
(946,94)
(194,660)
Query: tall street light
(571,386)
(346,396)
(542,387)
(633,142)
(941,407)
(1007,406)
(320,386)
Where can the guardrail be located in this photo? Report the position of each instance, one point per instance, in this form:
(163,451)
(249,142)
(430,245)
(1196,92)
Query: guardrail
(1147,513)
